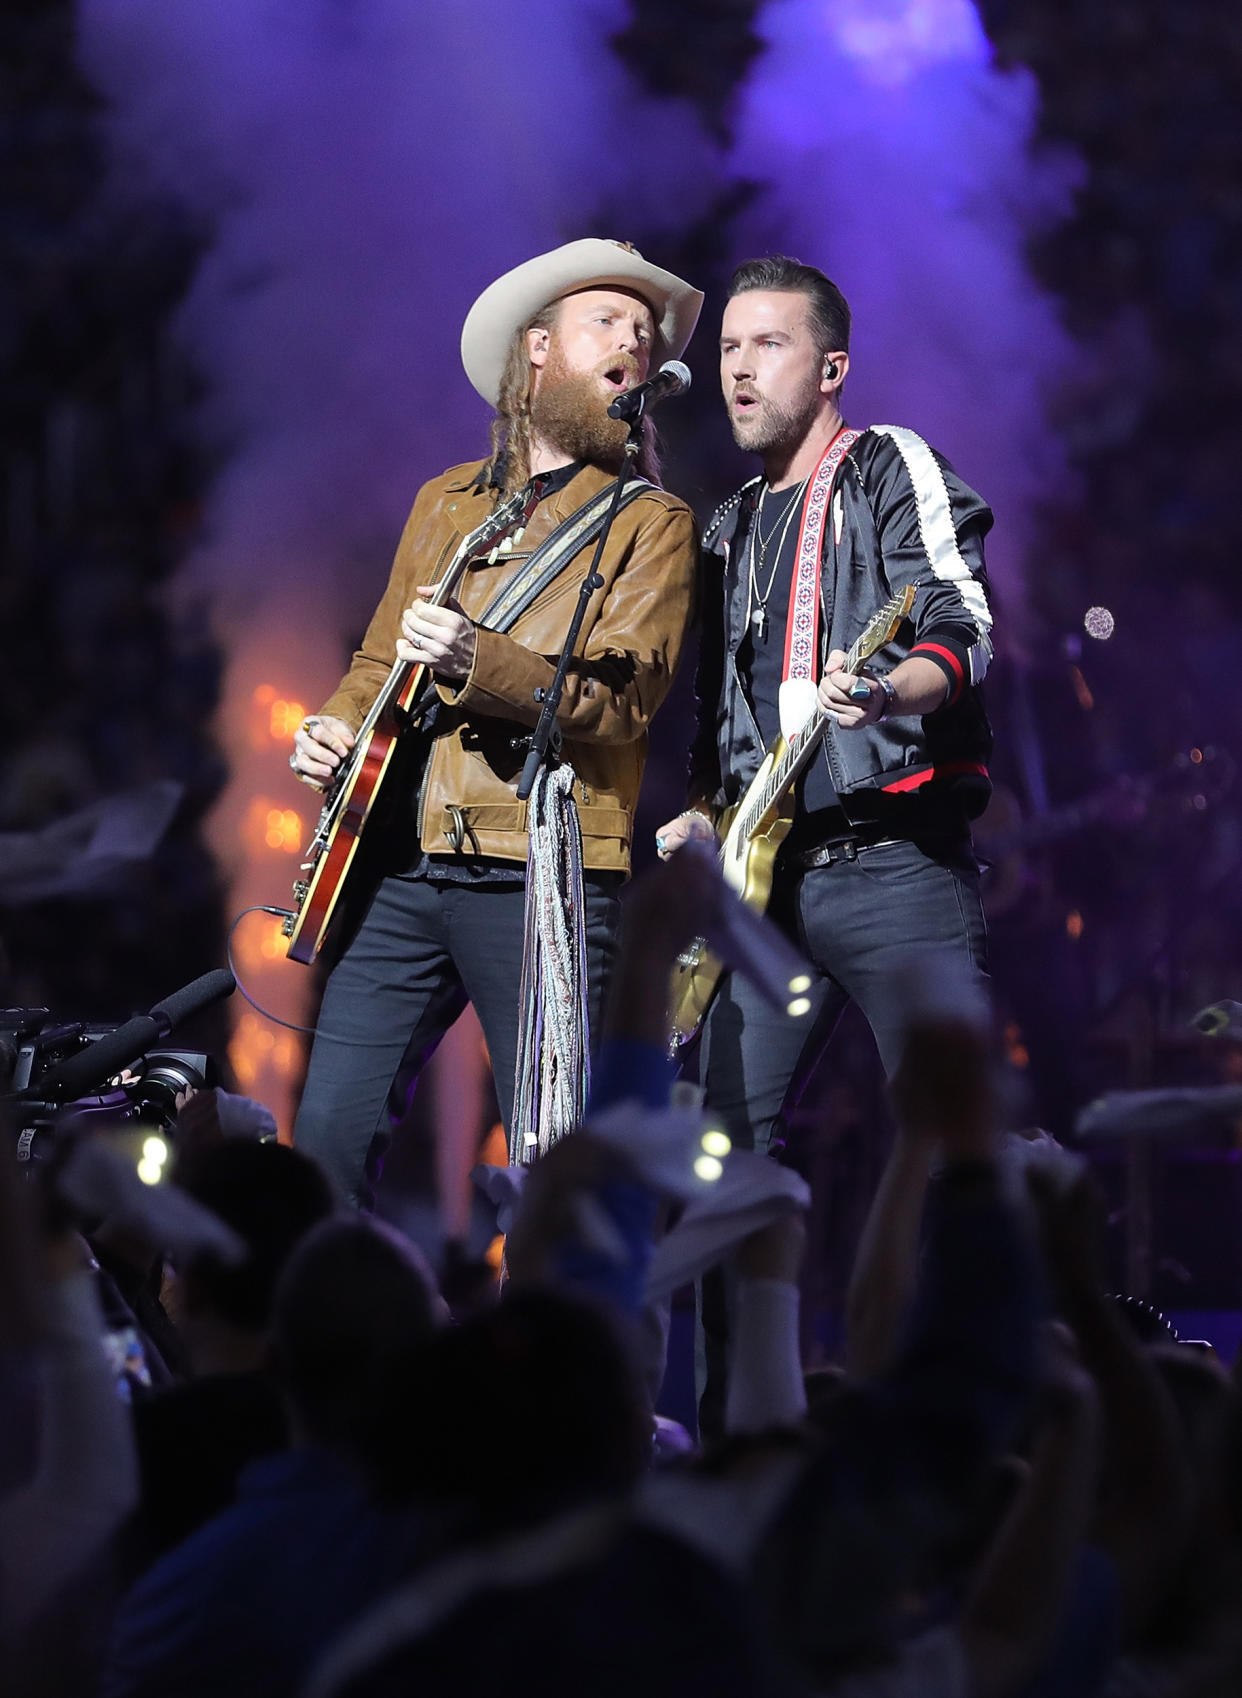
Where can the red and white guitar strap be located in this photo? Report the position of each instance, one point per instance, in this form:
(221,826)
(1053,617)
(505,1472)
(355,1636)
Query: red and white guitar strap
(800,676)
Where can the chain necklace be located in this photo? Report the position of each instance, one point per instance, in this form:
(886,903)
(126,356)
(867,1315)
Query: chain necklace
(758,619)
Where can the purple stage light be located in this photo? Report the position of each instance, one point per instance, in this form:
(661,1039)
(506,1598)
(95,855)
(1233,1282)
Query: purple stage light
(892,40)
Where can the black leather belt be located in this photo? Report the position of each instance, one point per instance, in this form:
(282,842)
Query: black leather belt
(842,849)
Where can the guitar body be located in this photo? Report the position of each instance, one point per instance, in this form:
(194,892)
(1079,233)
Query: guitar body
(747,861)
(351,800)
(345,816)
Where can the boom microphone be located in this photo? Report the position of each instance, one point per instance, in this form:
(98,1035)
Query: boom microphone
(673,378)
(200,993)
(109,1054)
(99,1060)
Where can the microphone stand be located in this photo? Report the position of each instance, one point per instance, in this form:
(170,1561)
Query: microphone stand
(545,743)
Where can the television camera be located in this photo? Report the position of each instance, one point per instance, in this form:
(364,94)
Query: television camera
(121,1074)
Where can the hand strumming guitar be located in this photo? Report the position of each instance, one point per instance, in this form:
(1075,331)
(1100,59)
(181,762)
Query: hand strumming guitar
(691,825)
(319,746)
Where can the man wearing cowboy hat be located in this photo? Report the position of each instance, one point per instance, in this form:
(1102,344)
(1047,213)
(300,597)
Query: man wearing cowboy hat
(549,345)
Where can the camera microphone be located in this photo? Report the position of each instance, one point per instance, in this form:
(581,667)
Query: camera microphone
(107,1056)
(200,993)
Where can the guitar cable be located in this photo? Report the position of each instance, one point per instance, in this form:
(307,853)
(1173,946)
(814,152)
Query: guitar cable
(289,1025)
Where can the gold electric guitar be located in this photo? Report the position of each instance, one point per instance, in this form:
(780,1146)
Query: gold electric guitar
(753,830)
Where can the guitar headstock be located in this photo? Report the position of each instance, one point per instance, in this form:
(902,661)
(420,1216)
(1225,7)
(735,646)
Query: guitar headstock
(881,628)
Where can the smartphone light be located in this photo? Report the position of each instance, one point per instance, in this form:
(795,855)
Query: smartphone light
(800,984)
(799,1006)
(707,1167)
(714,1142)
(154,1150)
(150,1172)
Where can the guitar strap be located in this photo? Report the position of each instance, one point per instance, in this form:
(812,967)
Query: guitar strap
(554,553)
(800,676)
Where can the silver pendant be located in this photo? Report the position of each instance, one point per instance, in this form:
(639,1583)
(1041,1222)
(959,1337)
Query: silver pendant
(758,624)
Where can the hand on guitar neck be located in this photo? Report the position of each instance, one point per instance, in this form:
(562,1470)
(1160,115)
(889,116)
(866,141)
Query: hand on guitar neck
(918,686)
(439,636)
(319,747)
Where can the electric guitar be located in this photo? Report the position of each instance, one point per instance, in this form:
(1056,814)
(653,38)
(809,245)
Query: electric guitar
(351,797)
(755,827)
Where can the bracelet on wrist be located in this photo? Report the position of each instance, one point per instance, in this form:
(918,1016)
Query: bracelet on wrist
(890,696)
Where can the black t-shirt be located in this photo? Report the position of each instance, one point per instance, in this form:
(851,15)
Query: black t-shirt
(761,661)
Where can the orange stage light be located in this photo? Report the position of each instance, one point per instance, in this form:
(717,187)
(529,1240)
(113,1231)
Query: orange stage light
(266,826)
(284,719)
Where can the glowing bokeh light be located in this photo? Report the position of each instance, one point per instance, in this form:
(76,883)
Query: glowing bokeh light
(1099,623)
(284,830)
(269,826)
(715,1142)
(255,1050)
(284,718)
(708,1168)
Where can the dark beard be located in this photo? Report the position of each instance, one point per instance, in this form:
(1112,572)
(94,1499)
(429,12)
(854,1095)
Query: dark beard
(568,411)
(776,428)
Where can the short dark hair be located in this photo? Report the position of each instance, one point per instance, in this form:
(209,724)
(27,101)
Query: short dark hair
(352,1315)
(830,313)
(548,1376)
(271,1196)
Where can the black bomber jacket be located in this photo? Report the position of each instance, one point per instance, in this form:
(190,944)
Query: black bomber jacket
(898,515)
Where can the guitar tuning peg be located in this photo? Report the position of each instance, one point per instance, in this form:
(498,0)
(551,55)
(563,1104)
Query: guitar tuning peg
(518,535)
(494,555)
(506,547)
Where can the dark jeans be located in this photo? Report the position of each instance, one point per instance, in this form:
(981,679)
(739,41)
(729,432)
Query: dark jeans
(421,953)
(858,923)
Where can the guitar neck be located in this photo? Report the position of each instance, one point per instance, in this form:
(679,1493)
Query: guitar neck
(515,510)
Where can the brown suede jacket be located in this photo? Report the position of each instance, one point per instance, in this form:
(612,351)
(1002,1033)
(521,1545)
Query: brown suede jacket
(626,655)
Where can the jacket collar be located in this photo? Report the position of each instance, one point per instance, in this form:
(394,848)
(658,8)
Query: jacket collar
(464,481)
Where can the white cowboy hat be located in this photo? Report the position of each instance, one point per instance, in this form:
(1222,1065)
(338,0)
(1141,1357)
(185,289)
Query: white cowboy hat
(508,304)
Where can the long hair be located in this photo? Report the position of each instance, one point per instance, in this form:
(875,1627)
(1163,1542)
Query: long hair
(508,466)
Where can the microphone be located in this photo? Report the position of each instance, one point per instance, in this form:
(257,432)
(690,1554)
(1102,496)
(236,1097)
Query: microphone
(673,378)
(200,993)
(108,1055)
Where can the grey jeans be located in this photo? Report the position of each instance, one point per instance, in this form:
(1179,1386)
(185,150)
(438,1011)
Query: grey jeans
(423,950)
(858,923)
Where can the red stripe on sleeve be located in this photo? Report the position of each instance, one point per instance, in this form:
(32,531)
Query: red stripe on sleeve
(950,660)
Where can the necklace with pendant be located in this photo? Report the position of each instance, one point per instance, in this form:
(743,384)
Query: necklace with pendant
(757,604)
